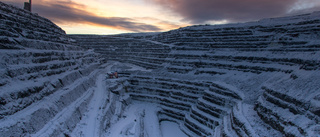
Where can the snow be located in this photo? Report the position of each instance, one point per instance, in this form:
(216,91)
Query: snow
(78,100)
(138,119)
(171,129)
(94,113)
(61,117)
(44,103)
(254,120)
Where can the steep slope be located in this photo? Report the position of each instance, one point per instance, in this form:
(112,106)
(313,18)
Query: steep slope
(44,78)
(148,54)
(249,79)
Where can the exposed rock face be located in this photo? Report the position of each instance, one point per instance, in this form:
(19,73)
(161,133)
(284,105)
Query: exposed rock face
(252,79)
(41,74)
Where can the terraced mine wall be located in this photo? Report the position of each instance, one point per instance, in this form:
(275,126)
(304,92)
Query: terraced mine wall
(248,79)
(42,75)
(252,79)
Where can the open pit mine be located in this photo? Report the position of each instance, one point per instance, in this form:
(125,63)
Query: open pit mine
(250,79)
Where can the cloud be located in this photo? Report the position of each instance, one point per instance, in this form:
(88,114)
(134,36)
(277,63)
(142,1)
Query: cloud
(200,11)
(305,6)
(163,23)
(68,12)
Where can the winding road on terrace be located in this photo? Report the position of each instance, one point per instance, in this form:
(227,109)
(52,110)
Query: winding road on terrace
(94,113)
(90,125)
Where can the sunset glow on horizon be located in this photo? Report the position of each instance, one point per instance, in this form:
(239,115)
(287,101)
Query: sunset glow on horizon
(130,16)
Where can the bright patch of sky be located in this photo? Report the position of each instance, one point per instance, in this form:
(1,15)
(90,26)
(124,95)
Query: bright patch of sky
(127,16)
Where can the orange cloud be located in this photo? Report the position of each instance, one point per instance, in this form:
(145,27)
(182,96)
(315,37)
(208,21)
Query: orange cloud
(168,25)
(69,12)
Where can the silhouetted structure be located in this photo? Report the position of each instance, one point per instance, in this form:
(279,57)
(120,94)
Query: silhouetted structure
(27,5)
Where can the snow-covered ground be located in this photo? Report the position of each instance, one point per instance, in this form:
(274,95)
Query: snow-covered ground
(139,119)
(90,123)
(171,129)
(246,79)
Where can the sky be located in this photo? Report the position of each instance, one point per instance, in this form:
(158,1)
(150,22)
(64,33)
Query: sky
(132,16)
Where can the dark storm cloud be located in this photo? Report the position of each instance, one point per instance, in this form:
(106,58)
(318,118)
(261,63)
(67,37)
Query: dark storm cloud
(71,12)
(199,11)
